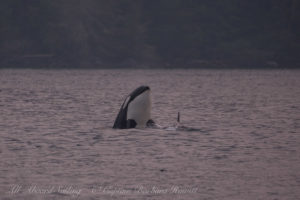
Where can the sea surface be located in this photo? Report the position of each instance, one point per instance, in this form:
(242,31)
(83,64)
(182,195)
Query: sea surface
(56,140)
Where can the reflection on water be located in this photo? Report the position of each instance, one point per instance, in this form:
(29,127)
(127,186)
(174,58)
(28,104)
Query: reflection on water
(57,142)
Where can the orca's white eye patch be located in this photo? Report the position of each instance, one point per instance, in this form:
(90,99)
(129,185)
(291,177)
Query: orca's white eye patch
(126,102)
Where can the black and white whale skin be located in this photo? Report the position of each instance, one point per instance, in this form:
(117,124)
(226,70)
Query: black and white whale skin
(135,112)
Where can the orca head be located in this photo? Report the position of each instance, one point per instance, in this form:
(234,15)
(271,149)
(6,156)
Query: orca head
(138,105)
(135,110)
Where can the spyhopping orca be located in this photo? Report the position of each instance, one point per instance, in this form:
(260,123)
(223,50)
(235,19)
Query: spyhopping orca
(135,111)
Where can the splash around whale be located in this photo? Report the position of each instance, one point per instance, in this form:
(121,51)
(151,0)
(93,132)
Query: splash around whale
(135,112)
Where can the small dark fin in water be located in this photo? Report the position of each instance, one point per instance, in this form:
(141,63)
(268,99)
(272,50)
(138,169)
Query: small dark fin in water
(178,117)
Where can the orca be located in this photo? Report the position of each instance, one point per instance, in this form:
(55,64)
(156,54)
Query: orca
(135,111)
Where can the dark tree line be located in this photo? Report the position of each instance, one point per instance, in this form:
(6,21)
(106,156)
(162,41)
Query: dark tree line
(145,33)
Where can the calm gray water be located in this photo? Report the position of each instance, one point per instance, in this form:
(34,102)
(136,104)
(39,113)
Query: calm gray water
(57,142)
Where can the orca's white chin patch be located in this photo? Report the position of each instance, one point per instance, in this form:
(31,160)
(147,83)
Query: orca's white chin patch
(139,109)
